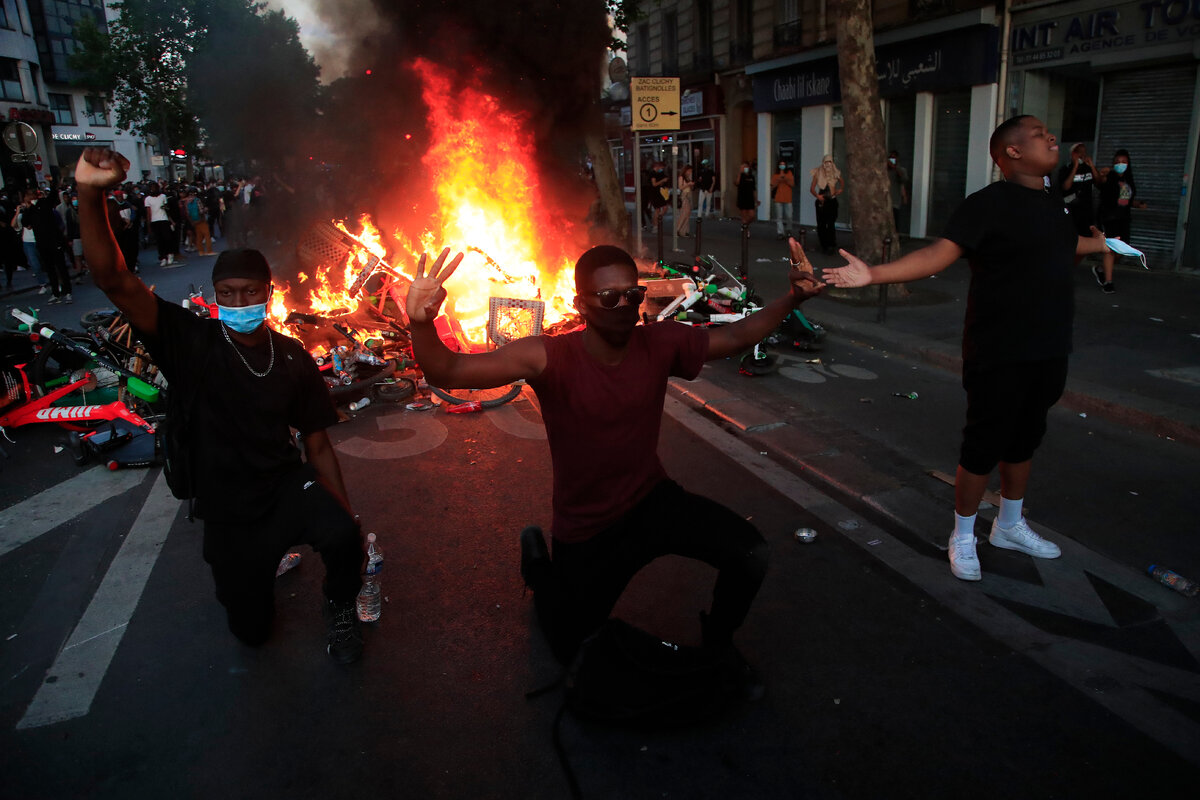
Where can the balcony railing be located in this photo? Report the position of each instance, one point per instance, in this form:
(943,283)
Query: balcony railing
(787,35)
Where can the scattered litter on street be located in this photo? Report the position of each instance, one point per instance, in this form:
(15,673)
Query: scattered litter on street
(57,449)
(1156,319)
(874,542)
(866,400)
(419,405)
(805,535)
(848,524)
(10,638)
(909,396)
(1083,414)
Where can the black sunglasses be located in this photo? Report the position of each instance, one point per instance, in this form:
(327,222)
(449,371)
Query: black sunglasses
(609,298)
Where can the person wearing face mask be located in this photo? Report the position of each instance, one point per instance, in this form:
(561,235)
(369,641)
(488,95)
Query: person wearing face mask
(601,391)
(782,182)
(1118,195)
(239,389)
(747,193)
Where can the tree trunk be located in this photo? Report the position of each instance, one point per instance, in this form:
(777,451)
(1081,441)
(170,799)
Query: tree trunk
(608,184)
(866,179)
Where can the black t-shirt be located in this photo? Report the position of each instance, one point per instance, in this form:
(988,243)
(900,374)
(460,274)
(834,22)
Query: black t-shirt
(1021,248)
(240,429)
(1117,194)
(1080,192)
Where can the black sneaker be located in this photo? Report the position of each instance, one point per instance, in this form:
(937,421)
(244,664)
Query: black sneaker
(535,558)
(1098,274)
(345,636)
(1108,287)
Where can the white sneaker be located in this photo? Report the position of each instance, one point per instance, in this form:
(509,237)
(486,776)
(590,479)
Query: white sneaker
(43,289)
(963,561)
(162,262)
(68,299)
(1020,537)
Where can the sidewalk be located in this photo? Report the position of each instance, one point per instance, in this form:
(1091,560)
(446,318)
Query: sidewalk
(1137,352)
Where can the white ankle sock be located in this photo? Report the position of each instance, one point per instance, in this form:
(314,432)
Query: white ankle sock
(1010,512)
(964,526)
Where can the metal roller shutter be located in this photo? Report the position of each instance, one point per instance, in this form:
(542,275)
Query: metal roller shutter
(1148,112)
(951,138)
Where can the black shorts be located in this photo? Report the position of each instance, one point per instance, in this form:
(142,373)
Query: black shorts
(1116,227)
(1007,406)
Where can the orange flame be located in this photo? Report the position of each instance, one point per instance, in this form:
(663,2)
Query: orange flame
(489,205)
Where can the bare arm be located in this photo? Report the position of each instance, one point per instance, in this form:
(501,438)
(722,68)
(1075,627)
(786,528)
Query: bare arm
(321,455)
(728,340)
(917,264)
(519,360)
(97,170)
(1091,244)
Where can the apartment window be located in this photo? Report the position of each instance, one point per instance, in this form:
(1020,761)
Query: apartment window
(670,43)
(704,35)
(95,110)
(4,16)
(35,77)
(642,67)
(60,104)
(10,80)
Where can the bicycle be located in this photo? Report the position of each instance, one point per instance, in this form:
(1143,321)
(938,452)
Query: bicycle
(508,318)
(127,439)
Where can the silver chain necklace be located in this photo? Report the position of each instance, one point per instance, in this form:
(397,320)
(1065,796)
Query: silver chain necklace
(270,343)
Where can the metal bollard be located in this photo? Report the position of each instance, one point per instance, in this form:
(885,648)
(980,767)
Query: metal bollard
(660,242)
(881,314)
(744,268)
(699,235)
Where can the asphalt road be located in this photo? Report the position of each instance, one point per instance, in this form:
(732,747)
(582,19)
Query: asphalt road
(875,687)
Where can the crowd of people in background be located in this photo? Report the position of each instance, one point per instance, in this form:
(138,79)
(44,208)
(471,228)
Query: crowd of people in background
(39,227)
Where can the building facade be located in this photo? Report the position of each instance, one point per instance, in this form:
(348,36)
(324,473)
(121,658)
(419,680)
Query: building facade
(764,76)
(36,42)
(1121,75)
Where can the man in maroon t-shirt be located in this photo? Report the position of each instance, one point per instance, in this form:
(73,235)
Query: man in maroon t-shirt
(601,392)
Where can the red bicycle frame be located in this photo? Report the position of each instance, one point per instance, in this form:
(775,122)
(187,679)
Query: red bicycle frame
(39,409)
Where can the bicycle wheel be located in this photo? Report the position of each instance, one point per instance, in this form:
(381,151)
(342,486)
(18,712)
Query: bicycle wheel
(396,391)
(488,398)
(98,316)
(360,386)
(760,363)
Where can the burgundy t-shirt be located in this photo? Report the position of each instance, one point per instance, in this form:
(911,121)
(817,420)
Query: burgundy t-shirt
(602,422)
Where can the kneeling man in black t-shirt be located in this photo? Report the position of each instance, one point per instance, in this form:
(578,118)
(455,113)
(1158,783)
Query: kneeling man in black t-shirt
(245,388)
(1017,334)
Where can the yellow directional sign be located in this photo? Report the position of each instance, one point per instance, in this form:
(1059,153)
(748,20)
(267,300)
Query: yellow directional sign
(655,104)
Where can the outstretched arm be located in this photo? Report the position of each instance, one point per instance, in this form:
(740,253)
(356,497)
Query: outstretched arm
(97,171)
(729,340)
(917,264)
(519,360)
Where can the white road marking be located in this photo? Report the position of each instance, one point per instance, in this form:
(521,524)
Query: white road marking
(46,510)
(1125,678)
(429,433)
(71,682)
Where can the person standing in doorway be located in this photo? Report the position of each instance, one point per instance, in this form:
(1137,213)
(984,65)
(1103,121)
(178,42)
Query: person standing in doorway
(782,182)
(747,193)
(826,185)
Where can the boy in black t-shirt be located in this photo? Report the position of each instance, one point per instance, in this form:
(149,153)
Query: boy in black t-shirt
(1017,332)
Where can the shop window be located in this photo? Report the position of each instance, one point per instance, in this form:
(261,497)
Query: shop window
(96,111)
(60,104)
(1081,98)
(10,80)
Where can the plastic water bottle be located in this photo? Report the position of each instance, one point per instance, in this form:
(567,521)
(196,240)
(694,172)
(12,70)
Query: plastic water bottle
(1174,580)
(370,598)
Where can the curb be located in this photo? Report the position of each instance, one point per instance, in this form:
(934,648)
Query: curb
(1123,408)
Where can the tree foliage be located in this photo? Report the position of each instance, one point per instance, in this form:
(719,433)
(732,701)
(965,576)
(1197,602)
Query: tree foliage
(228,73)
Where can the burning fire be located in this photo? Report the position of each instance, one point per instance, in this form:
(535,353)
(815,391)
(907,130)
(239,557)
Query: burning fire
(489,206)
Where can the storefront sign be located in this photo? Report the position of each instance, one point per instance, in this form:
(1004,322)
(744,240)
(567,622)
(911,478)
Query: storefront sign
(691,104)
(966,57)
(86,136)
(1095,29)
(34,115)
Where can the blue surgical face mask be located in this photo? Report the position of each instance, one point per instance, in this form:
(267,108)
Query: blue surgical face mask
(1120,168)
(243,319)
